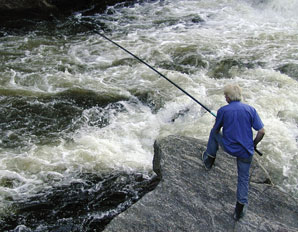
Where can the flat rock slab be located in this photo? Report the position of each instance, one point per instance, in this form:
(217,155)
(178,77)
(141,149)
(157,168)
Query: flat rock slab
(189,198)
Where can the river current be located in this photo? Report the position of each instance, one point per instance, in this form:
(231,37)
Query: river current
(79,117)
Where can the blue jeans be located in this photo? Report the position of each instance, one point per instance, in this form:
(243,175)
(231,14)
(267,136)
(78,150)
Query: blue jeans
(243,165)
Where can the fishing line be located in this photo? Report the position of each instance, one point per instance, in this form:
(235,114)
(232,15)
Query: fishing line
(159,73)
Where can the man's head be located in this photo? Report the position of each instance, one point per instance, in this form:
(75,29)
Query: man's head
(232,93)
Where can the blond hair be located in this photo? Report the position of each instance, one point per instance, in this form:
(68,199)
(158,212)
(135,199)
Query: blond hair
(233,92)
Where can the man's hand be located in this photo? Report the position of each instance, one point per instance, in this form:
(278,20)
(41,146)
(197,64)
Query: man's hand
(259,137)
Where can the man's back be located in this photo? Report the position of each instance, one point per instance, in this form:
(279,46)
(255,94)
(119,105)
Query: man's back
(237,120)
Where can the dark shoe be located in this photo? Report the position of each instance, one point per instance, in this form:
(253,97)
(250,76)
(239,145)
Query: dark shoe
(207,160)
(240,211)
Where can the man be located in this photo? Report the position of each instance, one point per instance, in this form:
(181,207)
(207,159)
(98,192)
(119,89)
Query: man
(237,120)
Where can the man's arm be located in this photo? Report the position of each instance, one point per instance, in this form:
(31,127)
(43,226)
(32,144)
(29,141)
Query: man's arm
(218,121)
(259,136)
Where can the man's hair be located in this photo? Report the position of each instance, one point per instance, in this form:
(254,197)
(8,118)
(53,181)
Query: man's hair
(233,92)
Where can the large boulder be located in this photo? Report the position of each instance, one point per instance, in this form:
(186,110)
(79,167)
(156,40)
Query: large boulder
(189,198)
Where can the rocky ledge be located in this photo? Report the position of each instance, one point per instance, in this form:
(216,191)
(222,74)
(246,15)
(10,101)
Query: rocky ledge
(15,10)
(189,198)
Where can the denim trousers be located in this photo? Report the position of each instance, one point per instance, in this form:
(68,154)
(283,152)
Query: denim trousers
(243,165)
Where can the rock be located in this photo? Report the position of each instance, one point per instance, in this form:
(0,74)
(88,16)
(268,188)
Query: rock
(227,67)
(12,10)
(189,198)
(222,68)
(290,69)
(185,60)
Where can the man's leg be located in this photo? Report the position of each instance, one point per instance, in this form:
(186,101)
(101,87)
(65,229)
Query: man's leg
(214,141)
(243,166)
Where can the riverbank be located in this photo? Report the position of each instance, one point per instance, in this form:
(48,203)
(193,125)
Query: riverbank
(189,198)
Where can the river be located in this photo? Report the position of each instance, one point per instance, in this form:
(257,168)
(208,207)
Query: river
(79,116)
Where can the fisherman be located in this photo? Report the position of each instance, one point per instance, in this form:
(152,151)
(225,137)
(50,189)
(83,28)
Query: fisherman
(237,120)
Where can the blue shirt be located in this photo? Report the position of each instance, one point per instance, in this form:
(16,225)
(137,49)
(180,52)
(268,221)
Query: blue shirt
(237,120)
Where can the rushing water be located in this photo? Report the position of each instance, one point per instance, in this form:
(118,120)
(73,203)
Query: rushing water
(78,116)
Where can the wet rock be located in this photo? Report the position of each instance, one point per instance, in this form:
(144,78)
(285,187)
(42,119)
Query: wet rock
(226,68)
(197,19)
(151,99)
(87,205)
(223,67)
(185,60)
(179,114)
(290,69)
(14,10)
(189,198)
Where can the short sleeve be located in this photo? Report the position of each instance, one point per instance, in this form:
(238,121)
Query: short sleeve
(257,123)
(219,120)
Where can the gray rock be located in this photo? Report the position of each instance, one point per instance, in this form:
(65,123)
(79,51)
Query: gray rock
(189,198)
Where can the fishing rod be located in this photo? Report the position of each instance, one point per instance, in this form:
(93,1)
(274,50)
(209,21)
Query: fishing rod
(159,73)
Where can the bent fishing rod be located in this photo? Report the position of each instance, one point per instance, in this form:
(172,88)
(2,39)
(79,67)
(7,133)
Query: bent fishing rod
(159,73)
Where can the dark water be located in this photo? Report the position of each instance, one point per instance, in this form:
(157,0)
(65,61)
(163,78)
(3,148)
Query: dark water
(45,118)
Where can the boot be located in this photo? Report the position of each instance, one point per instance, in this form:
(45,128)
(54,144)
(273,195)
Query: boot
(207,160)
(240,211)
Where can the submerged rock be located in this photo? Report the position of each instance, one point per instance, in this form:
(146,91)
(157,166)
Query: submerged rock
(290,69)
(224,68)
(189,198)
